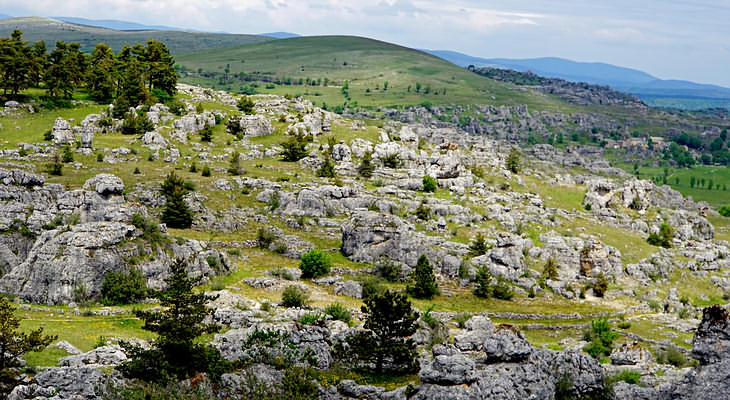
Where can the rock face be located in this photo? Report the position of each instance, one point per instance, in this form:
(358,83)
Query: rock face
(507,259)
(506,345)
(63,383)
(111,355)
(256,125)
(61,133)
(449,367)
(105,185)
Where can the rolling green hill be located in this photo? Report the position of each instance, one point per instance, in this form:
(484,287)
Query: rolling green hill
(50,30)
(365,64)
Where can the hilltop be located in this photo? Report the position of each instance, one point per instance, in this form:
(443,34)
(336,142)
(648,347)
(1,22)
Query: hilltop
(51,30)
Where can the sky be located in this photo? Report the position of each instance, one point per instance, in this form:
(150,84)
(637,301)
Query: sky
(670,39)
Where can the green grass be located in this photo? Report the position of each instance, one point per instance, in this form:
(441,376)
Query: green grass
(367,64)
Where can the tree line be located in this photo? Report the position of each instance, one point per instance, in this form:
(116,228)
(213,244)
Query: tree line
(133,76)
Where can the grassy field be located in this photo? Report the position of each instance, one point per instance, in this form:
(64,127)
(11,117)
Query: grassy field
(367,65)
(680,180)
(43,29)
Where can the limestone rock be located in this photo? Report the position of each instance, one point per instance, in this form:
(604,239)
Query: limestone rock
(506,345)
(61,133)
(105,184)
(449,367)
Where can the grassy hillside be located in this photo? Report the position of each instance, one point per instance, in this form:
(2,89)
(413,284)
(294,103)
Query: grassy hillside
(366,64)
(35,29)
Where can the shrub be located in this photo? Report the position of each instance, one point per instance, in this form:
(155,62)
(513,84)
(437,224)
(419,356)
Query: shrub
(366,167)
(724,211)
(601,338)
(314,264)
(391,161)
(550,270)
(294,149)
(663,238)
(206,134)
(626,375)
(234,167)
(429,184)
(339,312)
(177,108)
(502,290)
(389,270)
(265,237)
(67,155)
(311,318)
(134,124)
(205,171)
(371,286)
(461,319)
(600,285)
(294,296)
(123,288)
(246,105)
(327,169)
(671,356)
(513,161)
(55,167)
(478,247)
(424,281)
(483,283)
(422,212)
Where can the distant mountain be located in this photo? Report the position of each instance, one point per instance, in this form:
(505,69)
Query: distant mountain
(280,35)
(628,80)
(52,30)
(117,24)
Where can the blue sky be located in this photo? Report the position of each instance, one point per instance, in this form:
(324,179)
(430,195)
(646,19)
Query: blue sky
(670,39)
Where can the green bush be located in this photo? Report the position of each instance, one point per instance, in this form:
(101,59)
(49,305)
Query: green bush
(424,284)
(265,237)
(67,155)
(478,247)
(461,319)
(294,149)
(206,134)
(724,211)
(663,238)
(366,167)
(311,318)
(55,167)
(205,171)
(327,169)
(483,283)
(513,161)
(389,270)
(502,290)
(600,338)
(422,212)
(626,375)
(134,124)
(339,312)
(294,296)
(246,105)
(123,288)
(429,184)
(314,264)
(371,285)
(550,270)
(391,161)
(671,356)
(600,285)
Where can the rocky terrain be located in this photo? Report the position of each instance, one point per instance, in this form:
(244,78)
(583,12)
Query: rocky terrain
(61,235)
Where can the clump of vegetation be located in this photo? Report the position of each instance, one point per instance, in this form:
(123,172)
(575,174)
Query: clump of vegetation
(513,161)
(366,167)
(294,296)
(327,169)
(14,344)
(294,149)
(205,171)
(206,134)
(478,246)
(123,288)
(422,212)
(424,284)
(391,160)
(389,270)
(234,167)
(461,320)
(176,213)
(671,355)
(134,124)
(371,285)
(600,285)
(629,376)
(264,238)
(67,156)
(429,184)
(339,312)
(314,264)
(663,238)
(483,283)
(600,337)
(176,353)
(246,105)
(386,343)
(550,270)
(724,211)
(55,167)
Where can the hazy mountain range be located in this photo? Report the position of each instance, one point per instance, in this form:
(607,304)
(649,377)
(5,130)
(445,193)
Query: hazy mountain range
(620,78)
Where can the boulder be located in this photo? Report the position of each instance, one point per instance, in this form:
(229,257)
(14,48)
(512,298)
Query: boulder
(478,329)
(61,133)
(154,141)
(63,383)
(256,125)
(110,355)
(105,185)
(506,344)
(449,367)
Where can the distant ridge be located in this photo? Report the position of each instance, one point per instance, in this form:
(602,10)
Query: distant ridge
(117,24)
(628,80)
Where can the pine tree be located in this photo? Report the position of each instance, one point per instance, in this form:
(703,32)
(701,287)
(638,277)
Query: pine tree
(176,213)
(100,78)
(294,149)
(14,344)
(479,246)
(483,283)
(176,353)
(246,105)
(206,134)
(424,281)
(158,66)
(385,344)
(513,161)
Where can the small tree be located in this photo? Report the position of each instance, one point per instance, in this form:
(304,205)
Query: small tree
(366,167)
(123,288)
(314,264)
(327,169)
(295,148)
(601,338)
(385,344)
(176,213)
(513,161)
(483,283)
(478,246)
(177,352)
(206,134)
(55,167)
(424,281)
(246,105)
(663,238)
(14,344)
(294,296)
(550,270)
(235,164)
(429,184)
